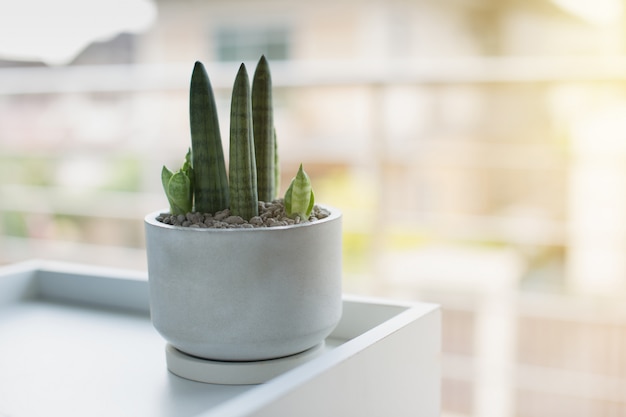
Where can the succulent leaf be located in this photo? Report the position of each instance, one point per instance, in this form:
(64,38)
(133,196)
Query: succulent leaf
(299,198)
(210,179)
(263,125)
(276,165)
(242,167)
(178,187)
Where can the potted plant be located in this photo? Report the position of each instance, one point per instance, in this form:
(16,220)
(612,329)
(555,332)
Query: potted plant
(236,274)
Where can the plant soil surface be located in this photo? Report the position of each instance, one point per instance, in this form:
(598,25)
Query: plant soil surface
(271,214)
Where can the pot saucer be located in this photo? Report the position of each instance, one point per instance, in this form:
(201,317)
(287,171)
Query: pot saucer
(234,373)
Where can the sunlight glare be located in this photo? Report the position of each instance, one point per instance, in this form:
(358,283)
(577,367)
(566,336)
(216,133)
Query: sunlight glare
(599,11)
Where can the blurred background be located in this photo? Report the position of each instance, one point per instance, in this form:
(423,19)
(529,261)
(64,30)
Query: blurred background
(476,147)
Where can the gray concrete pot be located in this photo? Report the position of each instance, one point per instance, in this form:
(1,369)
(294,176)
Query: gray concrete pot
(245,294)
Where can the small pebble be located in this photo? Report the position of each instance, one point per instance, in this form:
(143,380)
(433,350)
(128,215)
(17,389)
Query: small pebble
(221,215)
(234,220)
(256,221)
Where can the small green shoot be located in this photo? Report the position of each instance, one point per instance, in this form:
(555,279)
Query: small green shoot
(178,187)
(299,198)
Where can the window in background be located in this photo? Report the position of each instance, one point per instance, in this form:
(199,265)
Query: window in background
(248,43)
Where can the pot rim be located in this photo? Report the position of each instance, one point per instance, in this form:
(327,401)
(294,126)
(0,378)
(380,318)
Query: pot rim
(150,219)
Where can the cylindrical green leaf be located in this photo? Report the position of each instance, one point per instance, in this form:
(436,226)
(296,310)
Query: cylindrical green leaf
(242,167)
(276,165)
(263,124)
(210,179)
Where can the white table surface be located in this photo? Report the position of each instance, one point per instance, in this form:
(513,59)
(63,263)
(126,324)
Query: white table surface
(76,341)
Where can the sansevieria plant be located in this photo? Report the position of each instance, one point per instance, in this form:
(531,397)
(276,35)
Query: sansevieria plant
(202,184)
(248,295)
